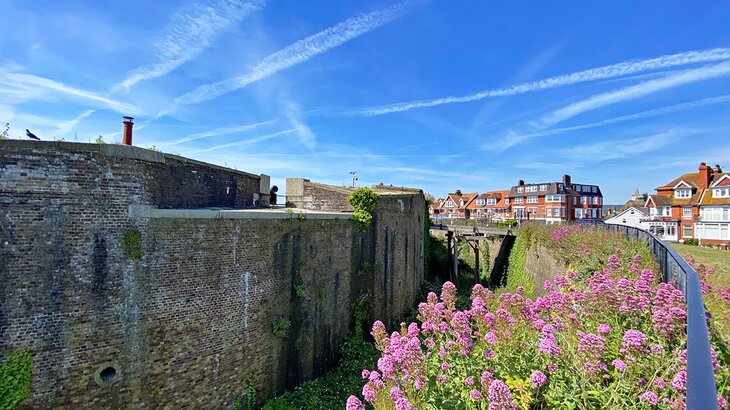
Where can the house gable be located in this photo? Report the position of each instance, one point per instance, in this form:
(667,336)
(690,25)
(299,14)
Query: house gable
(723,181)
(682,184)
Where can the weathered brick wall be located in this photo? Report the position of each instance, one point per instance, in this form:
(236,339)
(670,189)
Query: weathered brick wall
(191,320)
(302,193)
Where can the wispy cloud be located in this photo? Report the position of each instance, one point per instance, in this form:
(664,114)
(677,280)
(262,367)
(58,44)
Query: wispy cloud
(27,87)
(512,138)
(65,127)
(635,91)
(190,32)
(306,136)
(218,132)
(249,141)
(594,74)
(618,149)
(297,53)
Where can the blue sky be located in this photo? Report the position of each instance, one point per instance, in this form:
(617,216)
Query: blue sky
(432,94)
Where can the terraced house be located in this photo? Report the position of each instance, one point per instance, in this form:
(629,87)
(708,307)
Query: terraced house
(454,206)
(490,206)
(694,205)
(554,202)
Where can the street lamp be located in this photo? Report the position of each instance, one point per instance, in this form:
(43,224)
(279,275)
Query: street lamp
(354,177)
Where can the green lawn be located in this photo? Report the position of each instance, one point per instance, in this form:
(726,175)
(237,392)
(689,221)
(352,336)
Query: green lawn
(720,260)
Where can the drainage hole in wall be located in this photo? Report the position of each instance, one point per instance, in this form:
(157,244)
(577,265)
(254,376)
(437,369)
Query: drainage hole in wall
(108,374)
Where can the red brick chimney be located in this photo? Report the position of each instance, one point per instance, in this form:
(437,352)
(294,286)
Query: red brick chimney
(127,134)
(566,181)
(705,175)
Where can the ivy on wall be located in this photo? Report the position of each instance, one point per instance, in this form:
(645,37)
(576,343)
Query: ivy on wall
(516,275)
(15,379)
(364,201)
(131,244)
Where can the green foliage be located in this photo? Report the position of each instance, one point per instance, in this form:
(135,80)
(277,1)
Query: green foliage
(484,262)
(280,327)
(4,135)
(332,390)
(364,201)
(360,311)
(131,244)
(692,241)
(153,148)
(516,275)
(321,292)
(302,216)
(15,379)
(99,140)
(299,290)
(368,269)
(247,400)
(437,258)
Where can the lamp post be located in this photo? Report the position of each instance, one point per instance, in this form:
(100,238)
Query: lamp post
(354,177)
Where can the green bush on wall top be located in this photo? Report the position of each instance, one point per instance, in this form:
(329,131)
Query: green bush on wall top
(15,379)
(364,201)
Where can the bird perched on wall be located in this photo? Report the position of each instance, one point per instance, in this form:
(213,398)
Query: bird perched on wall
(31,135)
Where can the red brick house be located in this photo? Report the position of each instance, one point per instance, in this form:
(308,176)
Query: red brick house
(694,205)
(556,201)
(455,205)
(490,206)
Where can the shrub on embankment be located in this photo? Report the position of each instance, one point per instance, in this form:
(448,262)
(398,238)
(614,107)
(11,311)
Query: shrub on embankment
(611,338)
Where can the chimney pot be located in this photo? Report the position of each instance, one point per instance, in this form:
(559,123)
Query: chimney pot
(127,134)
(520,182)
(705,174)
(718,169)
(566,180)
(458,192)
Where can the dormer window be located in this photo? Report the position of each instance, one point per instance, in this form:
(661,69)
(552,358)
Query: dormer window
(449,204)
(683,193)
(543,187)
(492,201)
(520,189)
(481,201)
(721,192)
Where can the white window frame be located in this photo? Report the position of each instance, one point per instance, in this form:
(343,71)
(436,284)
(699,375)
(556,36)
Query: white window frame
(594,189)
(491,201)
(722,192)
(449,204)
(683,193)
(506,201)
(481,201)
(543,187)
(532,199)
(531,188)
(519,200)
(686,212)
(520,189)
(684,231)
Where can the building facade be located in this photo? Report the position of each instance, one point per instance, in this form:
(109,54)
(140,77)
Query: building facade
(490,206)
(555,202)
(693,206)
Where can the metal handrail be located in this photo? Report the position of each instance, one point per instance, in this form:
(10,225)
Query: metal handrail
(701,389)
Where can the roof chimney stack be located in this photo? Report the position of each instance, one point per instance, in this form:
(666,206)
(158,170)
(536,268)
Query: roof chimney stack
(566,181)
(718,170)
(705,175)
(127,134)
(520,182)
(458,192)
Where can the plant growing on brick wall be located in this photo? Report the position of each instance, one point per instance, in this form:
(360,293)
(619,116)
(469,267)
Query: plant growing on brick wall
(131,244)
(364,201)
(321,292)
(299,290)
(368,269)
(280,327)
(15,379)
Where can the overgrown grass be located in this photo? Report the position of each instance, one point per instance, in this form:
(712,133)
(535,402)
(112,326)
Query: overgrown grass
(719,261)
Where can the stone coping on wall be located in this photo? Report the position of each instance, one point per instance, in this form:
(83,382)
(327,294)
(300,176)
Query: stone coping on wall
(149,211)
(113,151)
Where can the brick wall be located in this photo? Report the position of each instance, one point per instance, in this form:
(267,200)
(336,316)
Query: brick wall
(187,323)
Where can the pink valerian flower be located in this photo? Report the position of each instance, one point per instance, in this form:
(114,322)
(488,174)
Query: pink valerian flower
(369,391)
(548,344)
(485,379)
(396,393)
(429,343)
(721,402)
(538,378)
(442,352)
(353,403)
(403,404)
(660,383)
(633,342)
(420,382)
(657,349)
(491,337)
(475,394)
(413,330)
(373,376)
(445,366)
(603,328)
(379,332)
(488,354)
(590,346)
(619,365)
(680,381)
(669,315)
(365,374)
(649,397)
(441,379)
(448,295)
(552,368)
(614,262)
(500,396)
(469,381)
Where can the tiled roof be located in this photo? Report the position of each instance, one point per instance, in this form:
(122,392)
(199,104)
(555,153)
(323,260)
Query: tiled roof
(660,200)
(555,188)
(692,178)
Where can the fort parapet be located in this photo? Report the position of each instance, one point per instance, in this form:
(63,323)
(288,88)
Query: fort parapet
(138,279)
